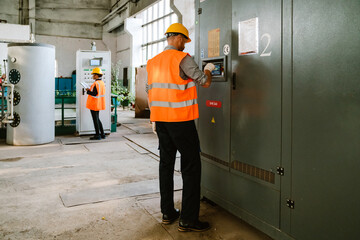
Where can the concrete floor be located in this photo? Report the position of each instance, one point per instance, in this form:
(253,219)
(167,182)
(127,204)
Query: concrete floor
(35,180)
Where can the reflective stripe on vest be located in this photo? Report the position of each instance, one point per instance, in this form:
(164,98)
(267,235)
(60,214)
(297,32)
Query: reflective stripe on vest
(98,87)
(97,102)
(172,85)
(173,104)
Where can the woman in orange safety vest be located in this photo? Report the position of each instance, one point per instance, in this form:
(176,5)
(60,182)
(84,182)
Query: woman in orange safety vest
(96,102)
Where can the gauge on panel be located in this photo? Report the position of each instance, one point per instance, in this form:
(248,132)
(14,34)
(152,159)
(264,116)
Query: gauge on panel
(14,76)
(16,120)
(17,97)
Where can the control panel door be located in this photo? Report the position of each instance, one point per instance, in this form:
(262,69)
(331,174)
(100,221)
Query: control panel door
(256,106)
(326,120)
(214,102)
(86,62)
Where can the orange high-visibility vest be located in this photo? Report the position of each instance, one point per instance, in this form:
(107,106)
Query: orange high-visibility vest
(171,98)
(97,103)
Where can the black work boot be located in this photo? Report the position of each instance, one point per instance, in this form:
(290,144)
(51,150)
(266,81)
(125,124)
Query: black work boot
(194,226)
(170,218)
(95,138)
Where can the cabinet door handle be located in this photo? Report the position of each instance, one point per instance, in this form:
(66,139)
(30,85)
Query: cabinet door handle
(234,81)
(83,91)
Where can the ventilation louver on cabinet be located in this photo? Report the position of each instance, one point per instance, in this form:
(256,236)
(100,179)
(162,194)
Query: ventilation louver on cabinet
(245,168)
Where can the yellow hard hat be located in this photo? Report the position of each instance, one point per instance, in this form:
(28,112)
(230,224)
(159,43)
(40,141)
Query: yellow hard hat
(97,71)
(179,28)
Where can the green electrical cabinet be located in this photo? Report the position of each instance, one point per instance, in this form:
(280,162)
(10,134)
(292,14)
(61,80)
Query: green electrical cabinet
(214,124)
(325,119)
(282,150)
(114,105)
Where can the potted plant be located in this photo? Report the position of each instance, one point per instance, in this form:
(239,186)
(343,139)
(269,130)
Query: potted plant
(117,88)
(124,97)
(116,83)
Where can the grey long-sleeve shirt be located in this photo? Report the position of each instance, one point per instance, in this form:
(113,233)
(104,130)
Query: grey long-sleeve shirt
(188,69)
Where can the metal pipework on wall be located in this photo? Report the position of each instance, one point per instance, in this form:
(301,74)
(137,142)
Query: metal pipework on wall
(21,3)
(9,115)
(24,12)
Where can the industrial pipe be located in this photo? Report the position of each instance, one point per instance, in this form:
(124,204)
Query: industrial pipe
(9,115)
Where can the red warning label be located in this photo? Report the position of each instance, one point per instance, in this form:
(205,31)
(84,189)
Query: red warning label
(216,104)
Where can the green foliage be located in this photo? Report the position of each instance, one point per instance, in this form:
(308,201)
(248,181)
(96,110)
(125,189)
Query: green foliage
(124,95)
(117,84)
(1,73)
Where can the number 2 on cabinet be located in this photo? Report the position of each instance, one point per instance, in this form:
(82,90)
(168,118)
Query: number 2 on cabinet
(264,53)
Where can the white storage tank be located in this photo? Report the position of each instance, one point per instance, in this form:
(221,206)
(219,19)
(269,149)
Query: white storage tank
(31,68)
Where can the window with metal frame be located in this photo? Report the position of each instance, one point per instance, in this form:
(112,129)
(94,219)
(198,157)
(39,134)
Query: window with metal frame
(156,19)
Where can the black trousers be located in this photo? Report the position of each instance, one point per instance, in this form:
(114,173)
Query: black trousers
(181,136)
(97,123)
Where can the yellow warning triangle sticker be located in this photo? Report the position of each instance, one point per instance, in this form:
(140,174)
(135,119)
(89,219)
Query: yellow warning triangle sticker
(213,120)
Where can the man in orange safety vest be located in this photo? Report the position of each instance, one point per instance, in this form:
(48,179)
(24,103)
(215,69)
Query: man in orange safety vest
(172,79)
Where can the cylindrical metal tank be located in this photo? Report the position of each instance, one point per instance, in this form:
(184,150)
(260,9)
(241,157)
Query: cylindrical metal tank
(31,68)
